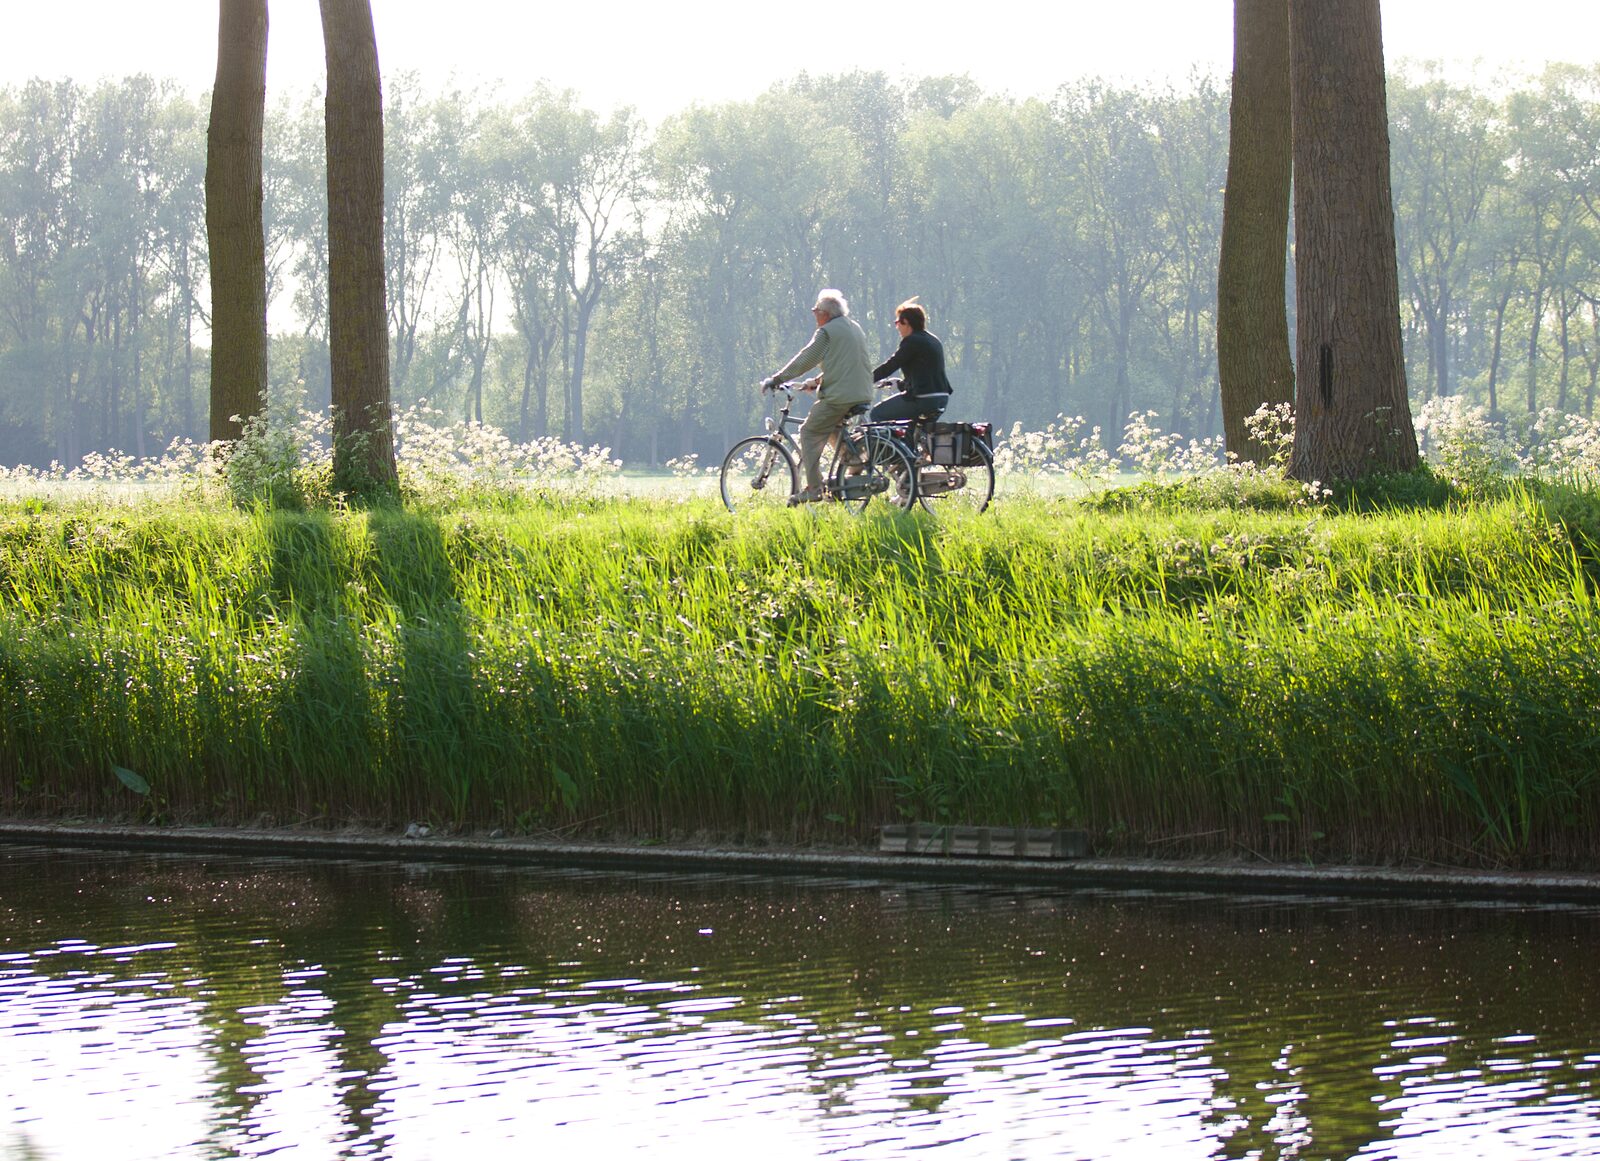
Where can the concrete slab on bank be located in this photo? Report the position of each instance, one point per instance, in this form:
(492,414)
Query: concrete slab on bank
(1067,874)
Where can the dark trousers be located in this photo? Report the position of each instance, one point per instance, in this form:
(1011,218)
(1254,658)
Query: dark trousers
(903,406)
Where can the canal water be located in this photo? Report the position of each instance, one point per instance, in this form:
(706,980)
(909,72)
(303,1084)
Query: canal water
(160,1006)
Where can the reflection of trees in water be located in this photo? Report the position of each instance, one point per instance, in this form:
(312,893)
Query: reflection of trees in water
(1296,1016)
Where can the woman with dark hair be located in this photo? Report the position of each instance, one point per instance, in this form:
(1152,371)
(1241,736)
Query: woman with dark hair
(924,390)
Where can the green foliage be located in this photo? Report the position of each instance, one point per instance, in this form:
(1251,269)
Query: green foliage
(132,780)
(269,465)
(1241,488)
(1419,489)
(1403,682)
(1067,249)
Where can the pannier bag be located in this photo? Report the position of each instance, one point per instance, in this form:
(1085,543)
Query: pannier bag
(956,444)
(946,443)
(978,433)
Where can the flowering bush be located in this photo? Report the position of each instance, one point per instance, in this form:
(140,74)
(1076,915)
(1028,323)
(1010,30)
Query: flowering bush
(1462,445)
(1272,426)
(1066,448)
(286,460)
(1150,451)
(1561,446)
(437,461)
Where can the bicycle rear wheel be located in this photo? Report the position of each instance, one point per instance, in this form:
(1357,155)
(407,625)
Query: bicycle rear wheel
(758,472)
(967,488)
(870,464)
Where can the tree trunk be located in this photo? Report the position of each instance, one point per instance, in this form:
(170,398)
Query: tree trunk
(1594,363)
(1353,417)
(580,353)
(527,396)
(358,332)
(234,230)
(1494,351)
(1253,362)
(1439,336)
(189,425)
(137,378)
(1533,345)
(1564,380)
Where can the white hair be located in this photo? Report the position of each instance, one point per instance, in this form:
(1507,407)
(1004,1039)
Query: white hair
(832,303)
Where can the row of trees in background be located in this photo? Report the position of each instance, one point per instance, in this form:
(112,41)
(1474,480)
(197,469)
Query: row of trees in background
(554,271)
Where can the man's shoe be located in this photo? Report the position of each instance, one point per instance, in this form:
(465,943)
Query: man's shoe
(805,496)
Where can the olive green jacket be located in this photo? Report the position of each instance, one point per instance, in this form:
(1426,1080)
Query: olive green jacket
(840,345)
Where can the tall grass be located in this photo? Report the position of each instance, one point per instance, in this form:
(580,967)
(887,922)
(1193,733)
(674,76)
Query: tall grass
(1396,684)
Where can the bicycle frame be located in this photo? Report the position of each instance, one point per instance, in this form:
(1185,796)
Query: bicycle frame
(772,457)
(937,482)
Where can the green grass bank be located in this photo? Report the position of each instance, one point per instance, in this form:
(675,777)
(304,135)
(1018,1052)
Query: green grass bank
(1411,683)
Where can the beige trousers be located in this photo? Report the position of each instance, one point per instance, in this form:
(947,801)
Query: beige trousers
(821,426)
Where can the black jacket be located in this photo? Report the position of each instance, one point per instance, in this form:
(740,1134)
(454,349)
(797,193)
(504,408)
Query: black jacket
(920,361)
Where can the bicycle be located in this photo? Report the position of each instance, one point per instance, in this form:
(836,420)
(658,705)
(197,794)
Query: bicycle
(866,461)
(954,461)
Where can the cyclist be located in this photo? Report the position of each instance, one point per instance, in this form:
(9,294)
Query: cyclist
(840,347)
(920,361)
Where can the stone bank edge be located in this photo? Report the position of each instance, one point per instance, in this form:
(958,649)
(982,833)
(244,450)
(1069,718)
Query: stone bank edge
(1525,887)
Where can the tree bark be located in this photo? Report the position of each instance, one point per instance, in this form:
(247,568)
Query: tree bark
(1253,362)
(1353,417)
(358,332)
(234,230)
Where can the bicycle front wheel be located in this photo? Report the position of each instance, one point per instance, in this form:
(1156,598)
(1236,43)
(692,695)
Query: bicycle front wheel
(968,488)
(758,472)
(874,464)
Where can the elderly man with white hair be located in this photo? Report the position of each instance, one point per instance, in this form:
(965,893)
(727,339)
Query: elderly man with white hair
(840,347)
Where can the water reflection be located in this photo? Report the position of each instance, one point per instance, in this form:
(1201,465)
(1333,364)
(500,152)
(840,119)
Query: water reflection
(158,1006)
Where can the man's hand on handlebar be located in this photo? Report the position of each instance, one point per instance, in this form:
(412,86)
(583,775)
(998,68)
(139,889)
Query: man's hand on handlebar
(774,383)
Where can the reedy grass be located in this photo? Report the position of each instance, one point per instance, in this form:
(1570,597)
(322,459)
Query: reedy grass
(1398,684)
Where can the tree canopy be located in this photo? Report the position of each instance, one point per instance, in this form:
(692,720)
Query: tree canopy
(1067,250)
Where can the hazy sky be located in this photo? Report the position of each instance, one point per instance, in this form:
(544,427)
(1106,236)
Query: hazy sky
(661,57)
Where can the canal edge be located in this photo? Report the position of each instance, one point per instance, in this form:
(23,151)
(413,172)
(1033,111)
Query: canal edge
(1069,874)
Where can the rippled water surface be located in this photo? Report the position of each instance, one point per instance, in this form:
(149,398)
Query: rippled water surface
(176,1007)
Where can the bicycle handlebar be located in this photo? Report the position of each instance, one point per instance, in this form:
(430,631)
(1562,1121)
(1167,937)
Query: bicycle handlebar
(790,386)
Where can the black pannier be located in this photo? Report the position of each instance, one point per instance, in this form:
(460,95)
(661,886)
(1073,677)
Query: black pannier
(978,433)
(947,443)
(957,444)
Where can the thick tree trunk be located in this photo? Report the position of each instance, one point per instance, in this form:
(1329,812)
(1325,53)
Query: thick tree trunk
(1353,417)
(1253,362)
(234,230)
(358,331)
